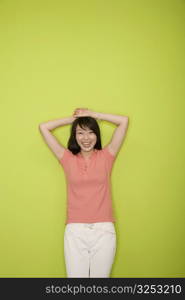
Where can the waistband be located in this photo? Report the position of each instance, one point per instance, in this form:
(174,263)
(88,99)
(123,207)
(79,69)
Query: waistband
(91,225)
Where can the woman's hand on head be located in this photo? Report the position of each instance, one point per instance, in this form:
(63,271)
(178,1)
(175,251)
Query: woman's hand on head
(82,112)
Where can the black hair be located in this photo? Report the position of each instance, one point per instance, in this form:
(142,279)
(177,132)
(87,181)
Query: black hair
(83,122)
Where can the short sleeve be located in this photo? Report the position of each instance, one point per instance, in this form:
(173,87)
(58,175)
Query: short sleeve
(110,158)
(67,155)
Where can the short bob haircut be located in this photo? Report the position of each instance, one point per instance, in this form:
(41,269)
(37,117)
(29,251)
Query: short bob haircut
(83,122)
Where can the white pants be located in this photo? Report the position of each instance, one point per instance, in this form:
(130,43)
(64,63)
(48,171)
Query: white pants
(89,249)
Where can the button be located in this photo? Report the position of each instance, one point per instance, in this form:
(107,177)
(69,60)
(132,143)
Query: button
(90,225)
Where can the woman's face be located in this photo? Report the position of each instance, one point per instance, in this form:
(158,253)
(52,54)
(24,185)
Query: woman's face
(86,138)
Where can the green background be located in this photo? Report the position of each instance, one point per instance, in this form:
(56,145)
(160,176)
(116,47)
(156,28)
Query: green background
(119,57)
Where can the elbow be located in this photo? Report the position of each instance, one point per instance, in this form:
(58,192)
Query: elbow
(125,118)
(125,121)
(41,125)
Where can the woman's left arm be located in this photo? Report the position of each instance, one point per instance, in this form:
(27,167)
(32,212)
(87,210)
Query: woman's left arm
(119,133)
(116,119)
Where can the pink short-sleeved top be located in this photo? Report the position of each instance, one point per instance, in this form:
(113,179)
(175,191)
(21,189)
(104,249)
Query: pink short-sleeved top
(88,186)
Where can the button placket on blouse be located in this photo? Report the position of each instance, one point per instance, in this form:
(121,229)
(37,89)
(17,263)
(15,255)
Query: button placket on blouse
(86,164)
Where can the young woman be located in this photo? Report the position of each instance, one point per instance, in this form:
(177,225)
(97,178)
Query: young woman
(89,236)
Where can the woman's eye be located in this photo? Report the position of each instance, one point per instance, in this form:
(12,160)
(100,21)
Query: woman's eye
(81,132)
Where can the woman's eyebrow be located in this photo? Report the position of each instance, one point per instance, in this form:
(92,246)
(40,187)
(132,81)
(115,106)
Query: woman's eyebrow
(78,130)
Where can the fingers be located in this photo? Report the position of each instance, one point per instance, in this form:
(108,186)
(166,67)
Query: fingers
(79,112)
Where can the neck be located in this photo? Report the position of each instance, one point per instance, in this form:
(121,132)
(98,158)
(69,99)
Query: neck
(86,154)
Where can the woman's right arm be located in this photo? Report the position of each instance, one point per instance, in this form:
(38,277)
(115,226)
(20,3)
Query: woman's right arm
(53,143)
(50,125)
